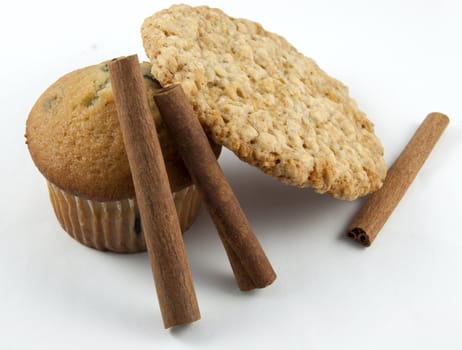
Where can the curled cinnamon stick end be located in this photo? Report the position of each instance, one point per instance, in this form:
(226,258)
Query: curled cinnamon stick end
(248,260)
(161,228)
(379,206)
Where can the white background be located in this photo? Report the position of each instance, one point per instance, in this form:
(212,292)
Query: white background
(401,60)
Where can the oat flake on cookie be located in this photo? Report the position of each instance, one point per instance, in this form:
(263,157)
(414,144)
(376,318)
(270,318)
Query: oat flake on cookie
(258,96)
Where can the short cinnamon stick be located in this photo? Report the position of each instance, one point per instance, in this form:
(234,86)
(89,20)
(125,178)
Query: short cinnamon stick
(161,227)
(379,206)
(248,260)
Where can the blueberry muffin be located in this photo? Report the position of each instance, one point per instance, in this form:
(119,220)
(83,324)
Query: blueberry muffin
(74,139)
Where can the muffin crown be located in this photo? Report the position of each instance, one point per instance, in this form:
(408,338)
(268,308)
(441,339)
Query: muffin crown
(74,137)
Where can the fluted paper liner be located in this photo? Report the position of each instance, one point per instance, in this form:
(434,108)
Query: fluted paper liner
(114,225)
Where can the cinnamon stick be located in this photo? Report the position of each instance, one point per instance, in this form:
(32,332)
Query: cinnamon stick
(379,206)
(161,227)
(248,260)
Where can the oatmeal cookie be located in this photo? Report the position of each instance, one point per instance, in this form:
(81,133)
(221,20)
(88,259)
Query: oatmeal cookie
(272,106)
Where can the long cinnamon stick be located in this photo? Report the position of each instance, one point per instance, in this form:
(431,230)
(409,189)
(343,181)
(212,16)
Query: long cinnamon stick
(248,260)
(161,227)
(379,206)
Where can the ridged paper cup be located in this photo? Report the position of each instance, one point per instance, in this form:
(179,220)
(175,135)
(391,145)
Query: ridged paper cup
(114,225)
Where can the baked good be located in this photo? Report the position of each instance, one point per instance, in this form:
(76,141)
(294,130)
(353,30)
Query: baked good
(74,139)
(273,107)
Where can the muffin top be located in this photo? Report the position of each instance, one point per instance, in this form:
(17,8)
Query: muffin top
(268,103)
(75,141)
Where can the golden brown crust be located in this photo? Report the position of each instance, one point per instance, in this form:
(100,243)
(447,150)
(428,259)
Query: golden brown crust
(74,138)
(265,101)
